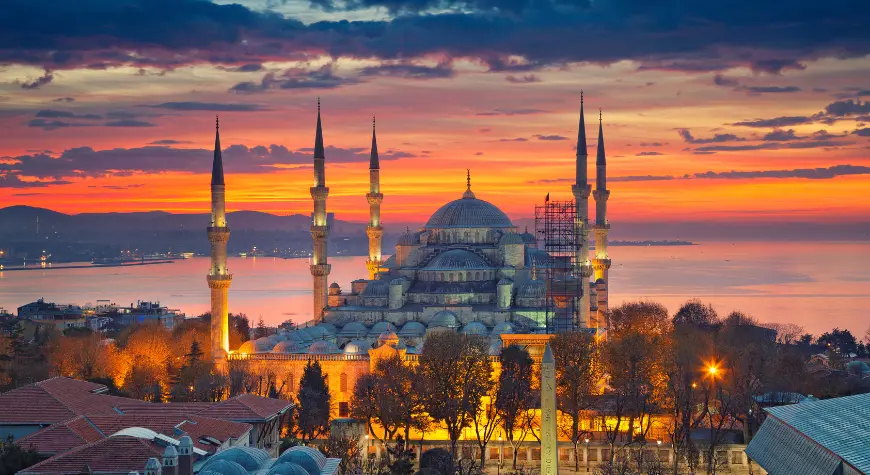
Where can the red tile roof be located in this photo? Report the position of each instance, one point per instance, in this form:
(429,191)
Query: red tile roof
(62,436)
(114,455)
(174,425)
(248,408)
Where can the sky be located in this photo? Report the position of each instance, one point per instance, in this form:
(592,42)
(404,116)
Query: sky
(732,110)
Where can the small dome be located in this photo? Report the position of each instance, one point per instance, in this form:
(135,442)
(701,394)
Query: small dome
(381,327)
(273,338)
(334,285)
(469,212)
(353,330)
(529,238)
(444,318)
(323,347)
(457,259)
(413,329)
(408,239)
(475,328)
(388,337)
(301,336)
(505,281)
(223,467)
(503,327)
(376,288)
(328,327)
(398,281)
(307,457)
(288,346)
(264,344)
(357,347)
(247,348)
(510,238)
(317,332)
(533,289)
(248,457)
(286,468)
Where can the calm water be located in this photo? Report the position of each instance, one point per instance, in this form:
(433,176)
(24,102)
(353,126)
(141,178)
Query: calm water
(817,285)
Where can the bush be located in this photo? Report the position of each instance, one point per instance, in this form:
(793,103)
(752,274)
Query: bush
(437,460)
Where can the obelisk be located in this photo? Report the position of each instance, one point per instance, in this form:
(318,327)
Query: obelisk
(549,437)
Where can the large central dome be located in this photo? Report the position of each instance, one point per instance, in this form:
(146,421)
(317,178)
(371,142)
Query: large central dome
(469,212)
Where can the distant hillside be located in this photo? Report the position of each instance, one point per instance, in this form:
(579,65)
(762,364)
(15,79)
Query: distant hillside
(75,237)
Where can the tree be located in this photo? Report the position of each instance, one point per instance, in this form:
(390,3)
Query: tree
(486,420)
(85,357)
(454,373)
(634,358)
(14,458)
(386,396)
(347,448)
(578,373)
(515,398)
(313,402)
(841,341)
(261,330)
(695,313)
(241,330)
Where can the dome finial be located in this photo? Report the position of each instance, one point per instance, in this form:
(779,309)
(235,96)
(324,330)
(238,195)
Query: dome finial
(217,121)
(534,270)
(581,96)
(468,193)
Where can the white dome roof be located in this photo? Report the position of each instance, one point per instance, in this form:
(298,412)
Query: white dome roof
(301,336)
(353,330)
(413,329)
(357,347)
(288,346)
(444,318)
(247,347)
(381,327)
(323,347)
(468,212)
(475,328)
(503,327)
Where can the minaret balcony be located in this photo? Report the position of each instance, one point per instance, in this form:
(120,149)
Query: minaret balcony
(319,192)
(601,195)
(581,191)
(320,270)
(375,198)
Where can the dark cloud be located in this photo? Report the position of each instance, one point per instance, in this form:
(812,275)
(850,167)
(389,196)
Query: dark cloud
(245,68)
(45,124)
(651,144)
(13,181)
(690,36)
(83,162)
(323,77)
(64,99)
(524,79)
(56,114)
(771,146)
(169,142)
(847,108)
(776,122)
(717,138)
(38,82)
(648,154)
(809,173)
(550,137)
(515,139)
(510,112)
(208,106)
(409,70)
(129,123)
(720,80)
(780,135)
(862,132)
(770,89)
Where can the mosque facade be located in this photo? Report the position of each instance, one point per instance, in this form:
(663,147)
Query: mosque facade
(467,269)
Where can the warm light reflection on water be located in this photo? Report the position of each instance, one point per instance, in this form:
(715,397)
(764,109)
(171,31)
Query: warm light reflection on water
(816,285)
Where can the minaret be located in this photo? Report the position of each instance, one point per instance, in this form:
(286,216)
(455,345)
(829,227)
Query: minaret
(374,197)
(319,229)
(219,278)
(581,190)
(601,263)
(549,436)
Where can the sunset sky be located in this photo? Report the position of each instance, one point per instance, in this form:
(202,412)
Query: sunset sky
(750,110)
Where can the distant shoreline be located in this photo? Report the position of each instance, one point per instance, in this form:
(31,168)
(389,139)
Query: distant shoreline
(90,266)
(653,243)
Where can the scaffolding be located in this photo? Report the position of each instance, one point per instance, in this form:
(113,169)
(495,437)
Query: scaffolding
(558,236)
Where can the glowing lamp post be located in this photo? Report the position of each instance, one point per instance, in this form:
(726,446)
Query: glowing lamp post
(586,455)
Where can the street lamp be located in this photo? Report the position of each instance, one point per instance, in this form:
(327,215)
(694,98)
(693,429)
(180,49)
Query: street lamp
(712,370)
(586,455)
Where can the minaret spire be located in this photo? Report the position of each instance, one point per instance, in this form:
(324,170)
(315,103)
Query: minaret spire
(601,263)
(219,278)
(320,268)
(468,193)
(374,197)
(581,190)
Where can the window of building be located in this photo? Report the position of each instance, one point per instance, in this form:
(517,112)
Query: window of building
(736,457)
(508,453)
(477,275)
(451,277)
(564,454)
(342,382)
(522,454)
(343,409)
(536,453)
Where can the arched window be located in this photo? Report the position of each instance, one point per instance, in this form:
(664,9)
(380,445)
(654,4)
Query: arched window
(477,236)
(459,277)
(442,277)
(342,382)
(467,236)
(477,275)
(451,277)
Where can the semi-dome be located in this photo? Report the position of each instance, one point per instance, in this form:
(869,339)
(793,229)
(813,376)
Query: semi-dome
(444,318)
(357,347)
(511,238)
(317,332)
(288,346)
(503,327)
(380,327)
(307,457)
(330,328)
(323,347)
(475,328)
(457,259)
(376,288)
(301,336)
(407,239)
(533,289)
(286,468)
(468,212)
(413,329)
(248,457)
(353,330)
(247,347)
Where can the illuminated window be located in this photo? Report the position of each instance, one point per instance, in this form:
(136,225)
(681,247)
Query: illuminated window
(342,382)
(343,409)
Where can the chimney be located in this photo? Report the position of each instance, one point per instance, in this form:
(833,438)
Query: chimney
(170,461)
(185,456)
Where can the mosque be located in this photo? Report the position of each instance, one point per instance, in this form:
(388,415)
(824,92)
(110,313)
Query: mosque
(468,269)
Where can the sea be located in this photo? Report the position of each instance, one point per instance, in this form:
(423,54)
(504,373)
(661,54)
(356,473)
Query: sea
(817,285)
